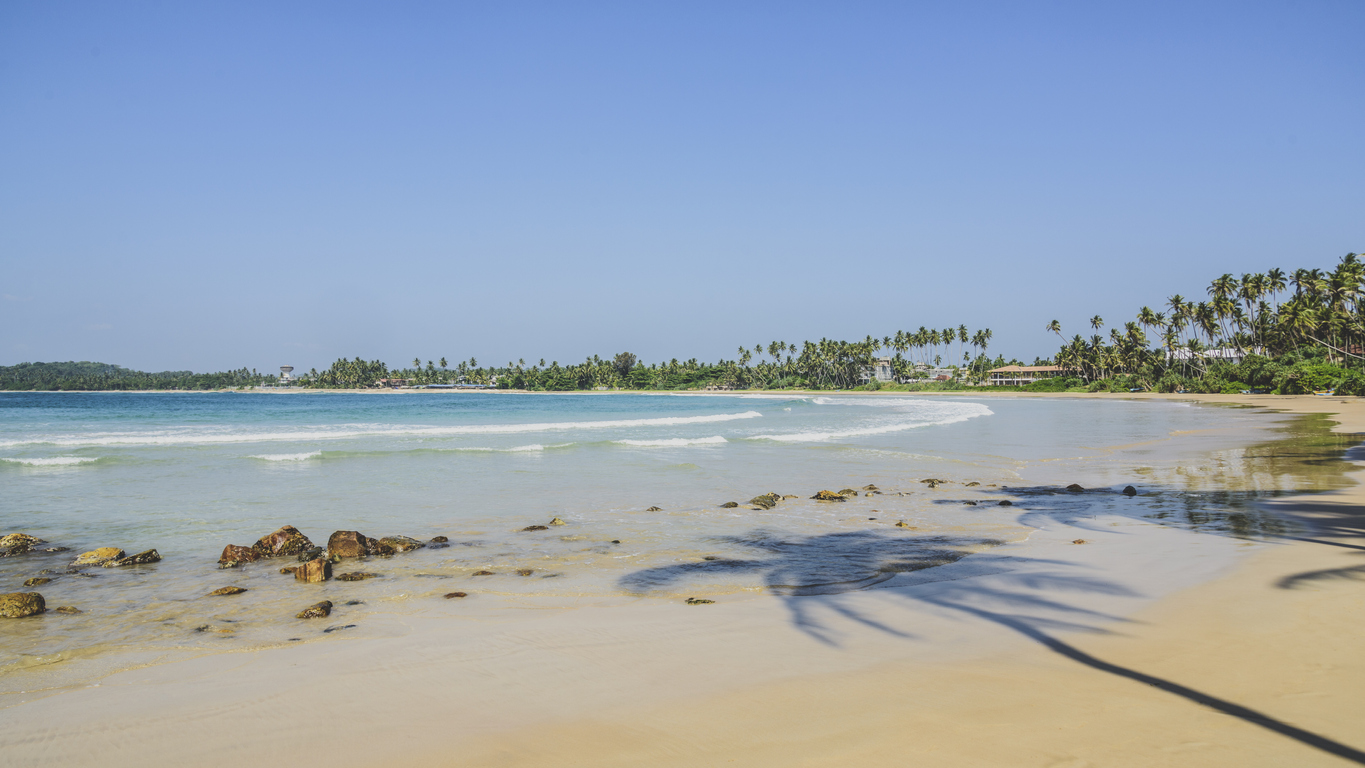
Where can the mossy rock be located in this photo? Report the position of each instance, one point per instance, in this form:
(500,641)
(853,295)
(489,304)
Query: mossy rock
(316,611)
(226,591)
(17,605)
(828,496)
(98,556)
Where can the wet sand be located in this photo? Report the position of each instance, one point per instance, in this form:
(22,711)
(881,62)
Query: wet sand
(1046,653)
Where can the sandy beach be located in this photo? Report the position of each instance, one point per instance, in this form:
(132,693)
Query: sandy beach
(1145,645)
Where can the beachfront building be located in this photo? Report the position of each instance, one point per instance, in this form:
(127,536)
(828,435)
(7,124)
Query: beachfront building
(1019,375)
(1232,356)
(879,370)
(286,374)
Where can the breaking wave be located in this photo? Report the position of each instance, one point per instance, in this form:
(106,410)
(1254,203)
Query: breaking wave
(288,456)
(674,442)
(53,461)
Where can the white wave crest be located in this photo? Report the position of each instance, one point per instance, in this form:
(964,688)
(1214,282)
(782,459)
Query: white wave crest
(533,448)
(172,437)
(673,442)
(937,414)
(288,456)
(53,461)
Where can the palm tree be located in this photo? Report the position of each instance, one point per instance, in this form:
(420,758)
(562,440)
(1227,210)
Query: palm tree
(1056,327)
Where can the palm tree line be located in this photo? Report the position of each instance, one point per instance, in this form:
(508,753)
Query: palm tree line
(1241,316)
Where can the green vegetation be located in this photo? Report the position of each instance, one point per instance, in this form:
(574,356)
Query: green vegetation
(96,376)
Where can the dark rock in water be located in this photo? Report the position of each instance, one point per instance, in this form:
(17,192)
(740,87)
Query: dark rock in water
(1074,488)
(351,544)
(558,521)
(79,572)
(1080,541)
(484,573)
(536,528)
(283,542)
(288,570)
(316,611)
(37,581)
(449,595)
(17,549)
(870,487)
(70,610)
(234,554)
(615,541)
(226,591)
(525,571)
(141,558)
(355,602)
(699,601)
(356,576)
(903,524)
(98,556)
(338,627)
(438,546)
(973,484)
(710,557)
(1129,491)
(932,481)
(19,539)
(848,492)
(827,496)
(312,553)
(655,509)
(314,570)
(401,543)
(17,605)
(766,501)
(439,540)
(969,503)
(729,505)
(872,518)
(1006,503)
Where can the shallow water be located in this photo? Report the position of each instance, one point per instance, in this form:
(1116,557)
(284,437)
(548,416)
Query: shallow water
(188,473)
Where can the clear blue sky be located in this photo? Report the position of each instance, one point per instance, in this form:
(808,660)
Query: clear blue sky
(213,185)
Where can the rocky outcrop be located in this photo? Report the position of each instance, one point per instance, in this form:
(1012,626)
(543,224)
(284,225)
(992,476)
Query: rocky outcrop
(351,544)
(285,541)
(17,605)
(439,540)
(729,505)
(973,484)
(1080,541)
(557,521)
(141,558)
(355,576)
(1006,503)
(766,501)
(848,492)
(1074,488)
(98,556)
(399,544)
(827,496)
(314,571)
(450,595)
(655,509)
(226,591)
(1129,491)
(234,555)
(316,611)
(870,487)
(699,601)
(536,528)
(18,543)
(37,581)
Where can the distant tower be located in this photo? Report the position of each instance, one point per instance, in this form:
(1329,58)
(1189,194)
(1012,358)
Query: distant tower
(285,370)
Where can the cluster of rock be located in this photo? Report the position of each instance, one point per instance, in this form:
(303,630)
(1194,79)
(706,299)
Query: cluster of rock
(21,604)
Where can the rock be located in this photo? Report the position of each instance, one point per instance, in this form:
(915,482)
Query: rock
(969,503)
(1006,503)
(17,605)
(615,541)
(729,505)
(525,571)
(339,627)
(98,556)
(316,611)
(314,571)
(286,541)
(226,591)
(710,557)
(350,544)
(973,484)
(484,573)
(439,546)
(871,493)
(19,539)
(37,581)
(536,528)
(233,554)
(1129,491)
(870,487)
(355,602)
(557,521)
(439,540)
(848,492)
(141,558)
(289,569)
(17,549)
(699,601)
(1080,541)
(356,576)
(400,544)
(312,553)
(932,481)
(655,509)
(450,595)
(70,610)
(790,496)
(766,501)
(1074,488)
(827,496)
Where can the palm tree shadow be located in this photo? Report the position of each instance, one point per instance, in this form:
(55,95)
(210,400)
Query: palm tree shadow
(812,574)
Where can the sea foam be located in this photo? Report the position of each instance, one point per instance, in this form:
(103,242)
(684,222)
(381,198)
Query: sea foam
(674,442)
(53,461)
(288,456)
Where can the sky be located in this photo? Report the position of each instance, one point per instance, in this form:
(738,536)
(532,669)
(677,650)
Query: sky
(208,186)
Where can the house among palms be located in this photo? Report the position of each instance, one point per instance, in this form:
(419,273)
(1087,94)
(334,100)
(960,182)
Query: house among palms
(879,370)
(1019,375)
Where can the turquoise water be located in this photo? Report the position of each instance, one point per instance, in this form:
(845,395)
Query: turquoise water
(188,473)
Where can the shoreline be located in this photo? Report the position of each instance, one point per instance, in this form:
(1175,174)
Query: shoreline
(868,677)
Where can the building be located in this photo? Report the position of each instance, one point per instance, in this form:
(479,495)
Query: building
(879,370)
(1019,375)
(286,372)
(1233,356)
